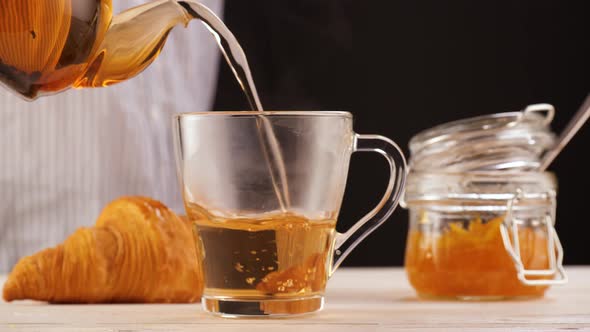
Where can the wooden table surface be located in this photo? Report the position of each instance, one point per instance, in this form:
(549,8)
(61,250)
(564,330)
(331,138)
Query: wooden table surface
(377,299)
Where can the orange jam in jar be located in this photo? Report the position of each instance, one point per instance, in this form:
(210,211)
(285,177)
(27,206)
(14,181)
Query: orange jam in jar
(468,260)
(484,243)
(481,212)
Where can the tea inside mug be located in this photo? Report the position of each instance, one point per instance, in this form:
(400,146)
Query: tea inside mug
(276,255)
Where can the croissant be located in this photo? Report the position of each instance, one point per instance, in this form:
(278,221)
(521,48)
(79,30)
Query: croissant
(138,251)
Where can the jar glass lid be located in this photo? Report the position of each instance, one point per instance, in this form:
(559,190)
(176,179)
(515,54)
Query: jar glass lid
(502,141)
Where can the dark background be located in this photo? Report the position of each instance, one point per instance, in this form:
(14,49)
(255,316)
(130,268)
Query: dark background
(417,64)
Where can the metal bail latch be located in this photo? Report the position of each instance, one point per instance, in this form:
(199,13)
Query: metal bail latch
(548,109)
(554,248)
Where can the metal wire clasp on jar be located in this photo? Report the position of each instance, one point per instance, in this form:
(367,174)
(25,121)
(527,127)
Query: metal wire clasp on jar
(481,217)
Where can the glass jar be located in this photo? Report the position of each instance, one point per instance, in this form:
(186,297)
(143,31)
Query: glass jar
(481,217)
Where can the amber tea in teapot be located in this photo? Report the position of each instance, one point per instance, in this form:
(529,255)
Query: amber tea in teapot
(49,46)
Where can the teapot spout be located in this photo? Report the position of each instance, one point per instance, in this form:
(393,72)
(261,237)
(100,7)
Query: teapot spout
(133,41)
(136,37)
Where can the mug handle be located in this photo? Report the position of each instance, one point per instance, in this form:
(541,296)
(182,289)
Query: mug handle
(347,241)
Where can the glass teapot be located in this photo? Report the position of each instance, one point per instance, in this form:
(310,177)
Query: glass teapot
(47,46)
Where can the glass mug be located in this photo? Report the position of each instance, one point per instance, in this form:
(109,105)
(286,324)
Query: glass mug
(264,224)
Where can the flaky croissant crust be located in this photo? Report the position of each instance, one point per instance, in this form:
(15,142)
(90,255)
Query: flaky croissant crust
(138,251)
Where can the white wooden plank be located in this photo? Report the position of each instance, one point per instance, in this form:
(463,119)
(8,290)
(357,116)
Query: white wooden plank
(357,300)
